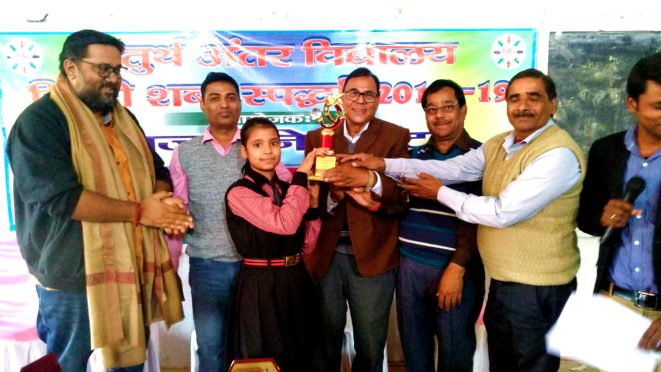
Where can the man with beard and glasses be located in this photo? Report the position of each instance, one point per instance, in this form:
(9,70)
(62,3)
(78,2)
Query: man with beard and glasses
(90,200)
(531,182)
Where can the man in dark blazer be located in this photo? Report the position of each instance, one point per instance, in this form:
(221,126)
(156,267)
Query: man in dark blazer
(629,263)
(356,255)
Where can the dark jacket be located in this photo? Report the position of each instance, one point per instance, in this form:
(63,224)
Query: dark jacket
(373,234)
(46,192)
(604,181)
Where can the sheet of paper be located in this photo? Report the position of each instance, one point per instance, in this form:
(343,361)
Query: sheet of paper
(600,332)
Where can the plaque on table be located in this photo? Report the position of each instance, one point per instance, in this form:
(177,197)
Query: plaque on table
(254,365)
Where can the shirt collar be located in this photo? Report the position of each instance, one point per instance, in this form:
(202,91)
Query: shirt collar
(208,137)
(509,140)
(258,178)
(357,136)
(630,139)
(463,142)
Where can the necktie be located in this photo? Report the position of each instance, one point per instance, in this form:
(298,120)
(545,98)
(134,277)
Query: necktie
(277,198)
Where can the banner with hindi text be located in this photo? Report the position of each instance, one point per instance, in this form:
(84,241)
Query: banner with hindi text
(283,76)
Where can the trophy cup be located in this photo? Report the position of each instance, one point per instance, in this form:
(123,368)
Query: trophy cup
(329,121)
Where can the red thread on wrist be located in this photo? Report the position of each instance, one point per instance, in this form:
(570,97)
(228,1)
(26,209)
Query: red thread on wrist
(137,215)
(375,207)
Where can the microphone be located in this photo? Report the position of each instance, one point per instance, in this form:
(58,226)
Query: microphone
(633,188)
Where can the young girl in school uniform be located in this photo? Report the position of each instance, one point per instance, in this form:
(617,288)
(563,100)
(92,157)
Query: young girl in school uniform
(271,222)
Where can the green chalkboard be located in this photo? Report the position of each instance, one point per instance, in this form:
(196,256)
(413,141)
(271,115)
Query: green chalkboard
(590,70)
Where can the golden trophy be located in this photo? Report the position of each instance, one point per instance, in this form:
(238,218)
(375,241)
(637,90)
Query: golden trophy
(329,121)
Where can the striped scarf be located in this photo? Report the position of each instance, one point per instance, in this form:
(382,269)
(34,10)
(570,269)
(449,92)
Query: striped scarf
(124,293)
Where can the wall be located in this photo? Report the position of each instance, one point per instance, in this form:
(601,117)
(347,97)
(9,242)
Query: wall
(562,15)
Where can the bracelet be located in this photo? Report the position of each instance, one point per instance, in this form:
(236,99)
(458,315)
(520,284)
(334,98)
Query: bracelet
(137,215)
(371,180)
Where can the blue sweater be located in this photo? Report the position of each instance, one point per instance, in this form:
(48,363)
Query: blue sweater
(429,232)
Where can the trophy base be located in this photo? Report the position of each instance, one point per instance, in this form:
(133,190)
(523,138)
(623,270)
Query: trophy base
(322,164)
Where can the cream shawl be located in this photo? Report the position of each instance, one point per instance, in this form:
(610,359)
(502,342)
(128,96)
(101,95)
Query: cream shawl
(123,297)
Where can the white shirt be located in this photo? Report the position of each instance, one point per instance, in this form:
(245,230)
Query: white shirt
(544,179)
(377,188)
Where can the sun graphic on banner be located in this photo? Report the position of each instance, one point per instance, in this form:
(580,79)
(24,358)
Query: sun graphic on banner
(22,56)
(508,51)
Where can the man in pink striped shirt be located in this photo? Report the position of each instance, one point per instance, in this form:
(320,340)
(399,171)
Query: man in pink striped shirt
(202,169)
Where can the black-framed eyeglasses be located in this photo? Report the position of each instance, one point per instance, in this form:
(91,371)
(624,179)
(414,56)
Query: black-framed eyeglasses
(446,109)
(354,94)
(104,70)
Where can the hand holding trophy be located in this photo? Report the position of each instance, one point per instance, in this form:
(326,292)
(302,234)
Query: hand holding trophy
(329,121)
